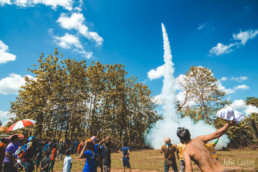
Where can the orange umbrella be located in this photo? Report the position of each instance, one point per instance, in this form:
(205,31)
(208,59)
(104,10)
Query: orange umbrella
(2,128)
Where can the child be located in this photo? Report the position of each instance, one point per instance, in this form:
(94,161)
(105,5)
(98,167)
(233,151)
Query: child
(67,161)
(44,166)
(126,158)
(53,158)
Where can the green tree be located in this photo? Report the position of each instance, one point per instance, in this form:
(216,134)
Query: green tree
(71,100)
(201,87)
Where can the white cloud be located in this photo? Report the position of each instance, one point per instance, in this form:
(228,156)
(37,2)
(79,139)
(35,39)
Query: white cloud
(70,41)
(12,84)
(239,79)
(241,105)
(231,90)
(201,26)
(3,2)
(67,41)
(241,87)
(67,4)
(220,49)
(245,36)
(4,55)
(223,88)
(224,79)
(76,21)
(5,117)
(156,74)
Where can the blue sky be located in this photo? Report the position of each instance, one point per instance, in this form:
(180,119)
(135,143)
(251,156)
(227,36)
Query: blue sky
(220,35)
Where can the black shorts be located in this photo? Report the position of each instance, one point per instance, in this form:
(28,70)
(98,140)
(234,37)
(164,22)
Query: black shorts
(126,162)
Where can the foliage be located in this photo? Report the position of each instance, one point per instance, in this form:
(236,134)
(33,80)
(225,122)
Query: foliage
(200,87)
(71,99)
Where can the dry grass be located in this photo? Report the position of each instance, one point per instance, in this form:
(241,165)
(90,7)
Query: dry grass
(152,160)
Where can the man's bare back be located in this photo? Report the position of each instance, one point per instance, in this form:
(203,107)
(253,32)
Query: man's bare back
(198,153)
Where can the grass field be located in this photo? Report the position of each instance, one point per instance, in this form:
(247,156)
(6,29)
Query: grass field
(152,160)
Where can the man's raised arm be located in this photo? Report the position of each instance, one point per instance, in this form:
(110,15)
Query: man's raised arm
(217,133)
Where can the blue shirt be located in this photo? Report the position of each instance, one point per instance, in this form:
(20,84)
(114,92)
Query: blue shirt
(125,151)
(46,147)
(90,164)
(96,147)
(24,147)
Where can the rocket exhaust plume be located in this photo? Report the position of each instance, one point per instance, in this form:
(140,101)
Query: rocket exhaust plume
(171,120)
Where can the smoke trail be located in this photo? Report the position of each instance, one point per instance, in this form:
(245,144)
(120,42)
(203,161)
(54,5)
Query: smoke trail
(168,125)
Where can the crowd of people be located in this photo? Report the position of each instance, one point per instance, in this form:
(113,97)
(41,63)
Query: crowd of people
(32,154)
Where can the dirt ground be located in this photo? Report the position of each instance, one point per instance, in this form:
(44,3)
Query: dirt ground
(152,161)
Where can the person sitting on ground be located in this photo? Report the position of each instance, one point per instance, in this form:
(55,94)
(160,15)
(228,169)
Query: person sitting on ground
(107,156)
(210,147)
(126,159)
(67,161)
(10,159)
(196,151)
(44,166)
(88,152)
(169,151)
(180,157)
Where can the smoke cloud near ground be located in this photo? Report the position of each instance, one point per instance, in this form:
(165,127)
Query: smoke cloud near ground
(171,120)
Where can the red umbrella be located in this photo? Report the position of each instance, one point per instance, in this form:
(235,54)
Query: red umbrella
(21,124)
(19,135)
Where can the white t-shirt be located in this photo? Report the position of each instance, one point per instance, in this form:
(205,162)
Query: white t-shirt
(67,163)
(230,114)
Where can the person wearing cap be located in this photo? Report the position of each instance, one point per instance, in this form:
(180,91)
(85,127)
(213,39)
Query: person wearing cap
(3,145)
(169,151)
(67,161)
(10,158)
(30,139)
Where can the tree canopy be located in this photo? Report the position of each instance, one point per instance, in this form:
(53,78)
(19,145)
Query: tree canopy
(74,99)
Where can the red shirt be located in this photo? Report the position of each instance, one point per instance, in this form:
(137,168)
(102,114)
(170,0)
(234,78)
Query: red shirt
(53,155)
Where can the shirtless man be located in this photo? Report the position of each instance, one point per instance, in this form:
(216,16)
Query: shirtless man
(196,151)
